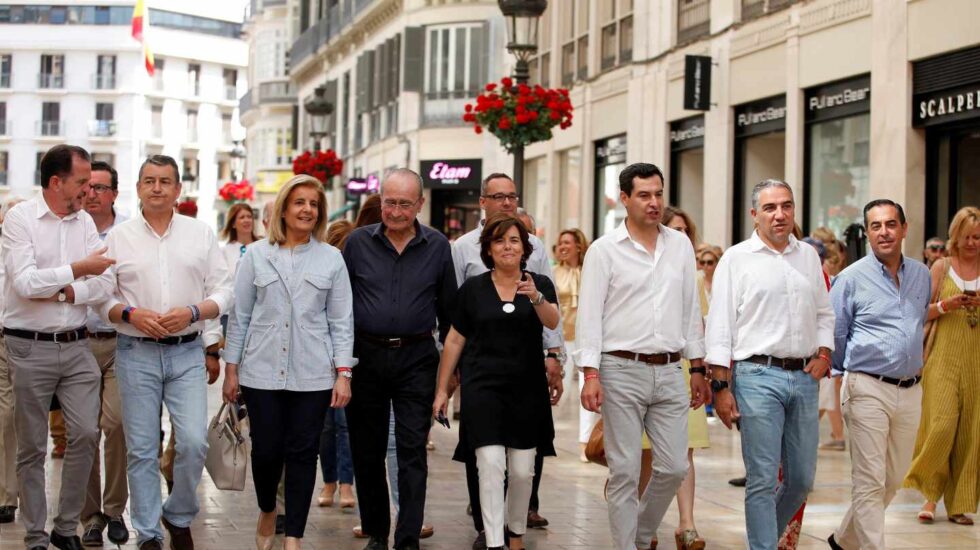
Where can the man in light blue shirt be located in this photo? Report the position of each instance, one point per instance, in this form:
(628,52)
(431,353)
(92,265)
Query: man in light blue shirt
(881,303)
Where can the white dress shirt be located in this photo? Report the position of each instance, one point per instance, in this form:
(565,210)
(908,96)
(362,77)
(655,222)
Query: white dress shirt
(633,301)
(95,323)
(468,263)
(38,250)
(182,267)
(232,252)
(768,303)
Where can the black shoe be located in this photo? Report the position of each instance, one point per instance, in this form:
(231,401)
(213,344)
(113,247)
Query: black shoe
(377,543)
(535,520)
(7,514)
(481,541)
(180,537)
(93,534)
(833,543)
(152,544)
(737,482)
(280,524)
(65,543)
(116,530)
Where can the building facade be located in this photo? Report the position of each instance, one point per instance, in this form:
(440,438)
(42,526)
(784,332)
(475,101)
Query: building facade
(72,73)
(846,100)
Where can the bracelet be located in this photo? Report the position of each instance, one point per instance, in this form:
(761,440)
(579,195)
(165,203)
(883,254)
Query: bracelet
(195,313)
(343,369)
(939,307)
(825,357)
(698,370)
(591,377)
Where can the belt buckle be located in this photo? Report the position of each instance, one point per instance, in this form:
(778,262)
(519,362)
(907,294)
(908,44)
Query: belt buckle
(57,340)
(394,342)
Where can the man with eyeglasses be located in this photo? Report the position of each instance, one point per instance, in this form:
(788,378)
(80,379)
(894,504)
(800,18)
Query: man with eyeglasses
(404,287)
(105,509)
(935,249)
(498,193)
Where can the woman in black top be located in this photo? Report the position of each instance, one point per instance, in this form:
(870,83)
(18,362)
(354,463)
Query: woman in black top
(506,405)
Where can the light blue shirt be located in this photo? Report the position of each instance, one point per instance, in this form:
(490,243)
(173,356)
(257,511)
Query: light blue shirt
(292,319)
(879,328)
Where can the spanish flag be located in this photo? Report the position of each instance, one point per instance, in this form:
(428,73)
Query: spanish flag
(141,22)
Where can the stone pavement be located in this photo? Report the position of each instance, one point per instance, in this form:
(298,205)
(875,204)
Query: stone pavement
(571,498)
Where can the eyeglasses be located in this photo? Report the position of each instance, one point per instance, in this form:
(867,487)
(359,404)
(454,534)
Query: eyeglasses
(401,205)
(100,189)
(936,247)
(706,262)
(501,197)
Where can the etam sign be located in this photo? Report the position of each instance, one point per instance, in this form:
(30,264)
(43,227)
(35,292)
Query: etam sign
(454,174)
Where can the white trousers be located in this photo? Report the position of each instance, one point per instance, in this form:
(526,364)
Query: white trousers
(492,461)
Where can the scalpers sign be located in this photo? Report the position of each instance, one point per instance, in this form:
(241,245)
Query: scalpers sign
(946,106)
(463,173)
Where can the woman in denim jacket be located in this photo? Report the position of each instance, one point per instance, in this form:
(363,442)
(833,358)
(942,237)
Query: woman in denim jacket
(290,348)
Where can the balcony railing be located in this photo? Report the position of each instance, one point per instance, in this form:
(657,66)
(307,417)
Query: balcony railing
(47,80)
(308,42)
(245,102)
(104,81)
(231,92)
(276,92)
(693,19)
(445,108)
(49,127)
(4,80)
(101,128)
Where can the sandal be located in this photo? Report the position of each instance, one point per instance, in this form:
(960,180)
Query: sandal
(927,517)
(689,540)
(960,519)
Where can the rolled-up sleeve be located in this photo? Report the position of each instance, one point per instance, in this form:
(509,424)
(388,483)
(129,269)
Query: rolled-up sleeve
(591,300)
(721,316)
(340,317)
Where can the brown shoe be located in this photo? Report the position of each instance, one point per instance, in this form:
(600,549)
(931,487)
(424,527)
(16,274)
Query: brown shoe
(347,495)
(535,521)
(427,531)
(326,495)
(359,533)
(180,537)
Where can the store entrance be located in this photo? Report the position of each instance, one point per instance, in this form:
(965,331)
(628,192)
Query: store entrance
(953,174)
(455,211)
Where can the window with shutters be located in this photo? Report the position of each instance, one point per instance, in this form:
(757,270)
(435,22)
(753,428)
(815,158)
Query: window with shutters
(616,45)
(693,20)
(456,60)
(574,27)
(378,74)
(540,64)
(345,115)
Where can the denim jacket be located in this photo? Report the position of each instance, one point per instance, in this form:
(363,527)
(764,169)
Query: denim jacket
(292,320)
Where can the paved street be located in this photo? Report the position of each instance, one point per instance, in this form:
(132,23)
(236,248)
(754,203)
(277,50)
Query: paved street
(571,496)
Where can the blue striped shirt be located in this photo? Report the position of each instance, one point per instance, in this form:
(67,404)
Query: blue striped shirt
(879,328)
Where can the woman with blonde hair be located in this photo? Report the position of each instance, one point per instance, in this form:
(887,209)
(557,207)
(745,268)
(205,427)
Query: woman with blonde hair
(946,463)
(291,363)
(570,253)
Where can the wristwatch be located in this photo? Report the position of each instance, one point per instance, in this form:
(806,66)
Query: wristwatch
(560,356)
(62,297)
(126,312)
(719,385)
(346,373)
(539,300)
(698,370)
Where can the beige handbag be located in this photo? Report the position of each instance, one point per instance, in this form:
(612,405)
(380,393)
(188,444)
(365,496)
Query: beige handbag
(595,449)
(228,450)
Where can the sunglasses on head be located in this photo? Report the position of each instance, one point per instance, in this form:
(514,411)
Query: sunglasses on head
(937,247)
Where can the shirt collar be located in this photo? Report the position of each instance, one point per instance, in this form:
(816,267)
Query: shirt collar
(149,228)
(758,244)
(43,209)
(379,231)
(883,268)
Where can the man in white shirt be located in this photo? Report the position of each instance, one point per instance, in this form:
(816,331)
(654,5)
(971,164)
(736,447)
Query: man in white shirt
(638,314)
(498,193)
(52,259)
(771,317)
(8,434)
(170,278)
(104,509)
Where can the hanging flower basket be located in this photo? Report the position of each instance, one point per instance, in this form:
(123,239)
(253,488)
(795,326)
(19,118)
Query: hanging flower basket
(322,165)
(233,192)
(519,115)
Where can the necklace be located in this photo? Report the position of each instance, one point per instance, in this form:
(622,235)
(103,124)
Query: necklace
(972,314)
(508,307)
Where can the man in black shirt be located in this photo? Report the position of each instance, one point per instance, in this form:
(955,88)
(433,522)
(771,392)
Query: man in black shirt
(403,282)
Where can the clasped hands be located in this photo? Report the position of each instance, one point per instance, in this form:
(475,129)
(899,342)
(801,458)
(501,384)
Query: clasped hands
(160,325)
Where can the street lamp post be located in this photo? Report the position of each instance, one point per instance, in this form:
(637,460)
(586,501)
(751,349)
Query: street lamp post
(319,108)
(522,41)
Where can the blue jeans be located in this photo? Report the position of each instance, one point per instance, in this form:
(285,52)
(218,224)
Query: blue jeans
(150,374)
(335,458)
(779,426)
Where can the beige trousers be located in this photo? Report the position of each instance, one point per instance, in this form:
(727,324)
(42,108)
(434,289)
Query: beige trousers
(882,421)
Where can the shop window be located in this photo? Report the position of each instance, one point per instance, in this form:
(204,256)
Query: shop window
(838,174)
(610,160)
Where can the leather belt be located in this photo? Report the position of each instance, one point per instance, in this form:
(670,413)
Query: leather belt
(102,335)
(648,358)
(169,340)
(56,337)
(900,382)
(393,342)
(785,363)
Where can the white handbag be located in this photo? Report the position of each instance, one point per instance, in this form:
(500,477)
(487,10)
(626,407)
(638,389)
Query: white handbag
(228,450)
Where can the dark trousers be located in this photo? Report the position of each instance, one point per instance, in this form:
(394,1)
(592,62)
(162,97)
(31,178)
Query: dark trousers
(473,488)
(285,430)
(335,460)
(404,379)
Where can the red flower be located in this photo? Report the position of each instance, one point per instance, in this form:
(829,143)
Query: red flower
(554,115)
(491,87)
(478,129)
(507,82)
(469,117)
(523,89)
(469,107)
(504,123)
